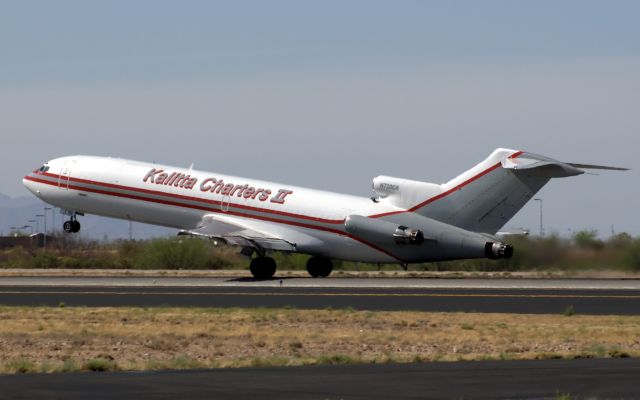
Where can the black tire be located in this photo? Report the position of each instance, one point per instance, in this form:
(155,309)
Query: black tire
(68,226)
(75,226)
(263,267)
(319,267)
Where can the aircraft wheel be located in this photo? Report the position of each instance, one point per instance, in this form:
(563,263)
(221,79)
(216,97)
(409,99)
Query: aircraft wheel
(319,267)
(68,226)
(71,226)
(263,267)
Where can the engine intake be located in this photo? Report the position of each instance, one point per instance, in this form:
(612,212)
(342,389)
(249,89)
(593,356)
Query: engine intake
(496,250)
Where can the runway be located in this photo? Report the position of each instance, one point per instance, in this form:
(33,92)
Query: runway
(584,378)
(620,297)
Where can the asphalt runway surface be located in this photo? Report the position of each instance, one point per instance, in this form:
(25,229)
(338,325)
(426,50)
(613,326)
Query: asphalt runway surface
(466,295)
(537,379)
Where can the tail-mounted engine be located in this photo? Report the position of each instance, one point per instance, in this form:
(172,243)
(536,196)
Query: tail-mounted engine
(495,250)
(406,235)
(379,231)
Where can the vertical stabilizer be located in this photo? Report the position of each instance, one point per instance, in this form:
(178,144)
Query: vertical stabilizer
(484,198)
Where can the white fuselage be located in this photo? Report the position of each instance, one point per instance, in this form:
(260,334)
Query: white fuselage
(181,198)
(408,221)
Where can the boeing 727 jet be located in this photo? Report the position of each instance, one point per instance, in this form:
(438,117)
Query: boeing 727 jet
(406,221)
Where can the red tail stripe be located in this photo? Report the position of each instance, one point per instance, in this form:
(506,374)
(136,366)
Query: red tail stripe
(448,192)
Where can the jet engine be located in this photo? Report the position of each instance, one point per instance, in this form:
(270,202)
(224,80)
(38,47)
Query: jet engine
(498,250)
(376,230)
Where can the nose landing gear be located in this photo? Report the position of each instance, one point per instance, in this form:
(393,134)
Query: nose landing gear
(71,226)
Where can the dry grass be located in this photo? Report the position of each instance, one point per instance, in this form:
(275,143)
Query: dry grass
(66,339)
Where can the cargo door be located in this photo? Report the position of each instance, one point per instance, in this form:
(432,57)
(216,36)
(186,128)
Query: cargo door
(65,174)
(224,204)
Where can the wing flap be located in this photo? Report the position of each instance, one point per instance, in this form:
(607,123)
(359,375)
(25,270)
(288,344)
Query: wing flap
(233,231)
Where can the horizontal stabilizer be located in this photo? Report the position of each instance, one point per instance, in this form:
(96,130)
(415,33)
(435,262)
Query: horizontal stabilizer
(591,166)
(553,168)
(547,166)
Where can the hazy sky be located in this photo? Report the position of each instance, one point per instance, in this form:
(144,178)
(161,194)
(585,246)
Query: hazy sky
(329,94)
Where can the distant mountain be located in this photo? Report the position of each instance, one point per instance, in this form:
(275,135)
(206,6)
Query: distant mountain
(17,211)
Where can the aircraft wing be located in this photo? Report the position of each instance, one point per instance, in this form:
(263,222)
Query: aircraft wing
(238,232)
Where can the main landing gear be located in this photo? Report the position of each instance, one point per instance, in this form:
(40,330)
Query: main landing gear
(71,226)
(319,267)
(265,267)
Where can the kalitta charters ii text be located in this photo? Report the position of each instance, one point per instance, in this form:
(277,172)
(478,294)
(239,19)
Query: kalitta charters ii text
(219,186)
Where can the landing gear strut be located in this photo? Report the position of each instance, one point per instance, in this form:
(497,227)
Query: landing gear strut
(71,226)
(263,267)
(319,267)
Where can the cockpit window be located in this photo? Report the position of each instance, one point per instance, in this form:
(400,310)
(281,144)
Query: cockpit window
(44,168)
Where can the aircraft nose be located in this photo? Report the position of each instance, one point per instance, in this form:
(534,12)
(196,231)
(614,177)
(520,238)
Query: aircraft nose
(30,184)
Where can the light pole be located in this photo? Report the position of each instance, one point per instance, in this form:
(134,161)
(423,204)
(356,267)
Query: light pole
(541,220)
(45,218)
(45,225)
(44,237)
(28,226)
(37,224)
(45,222)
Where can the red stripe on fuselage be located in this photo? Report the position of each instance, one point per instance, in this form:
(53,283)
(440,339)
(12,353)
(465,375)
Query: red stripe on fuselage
(208,209)
(261,210)
(191,198)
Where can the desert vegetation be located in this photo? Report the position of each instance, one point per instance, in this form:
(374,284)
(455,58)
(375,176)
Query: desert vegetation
(583,251)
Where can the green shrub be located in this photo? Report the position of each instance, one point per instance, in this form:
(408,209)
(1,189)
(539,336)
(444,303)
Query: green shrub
(178,253)
(335,359)
(184,362)
(45,260)
(583,251)
(569,311)
(588,240)
(631,255)
(100,364)
(17,257)
(21,366)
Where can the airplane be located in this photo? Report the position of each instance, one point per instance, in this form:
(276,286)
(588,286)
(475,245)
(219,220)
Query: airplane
(406,221)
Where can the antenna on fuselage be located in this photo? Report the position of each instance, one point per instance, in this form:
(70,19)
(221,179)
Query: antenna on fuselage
(191,166)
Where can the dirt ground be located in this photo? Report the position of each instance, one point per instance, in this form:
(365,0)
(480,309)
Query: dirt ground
(45,339)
